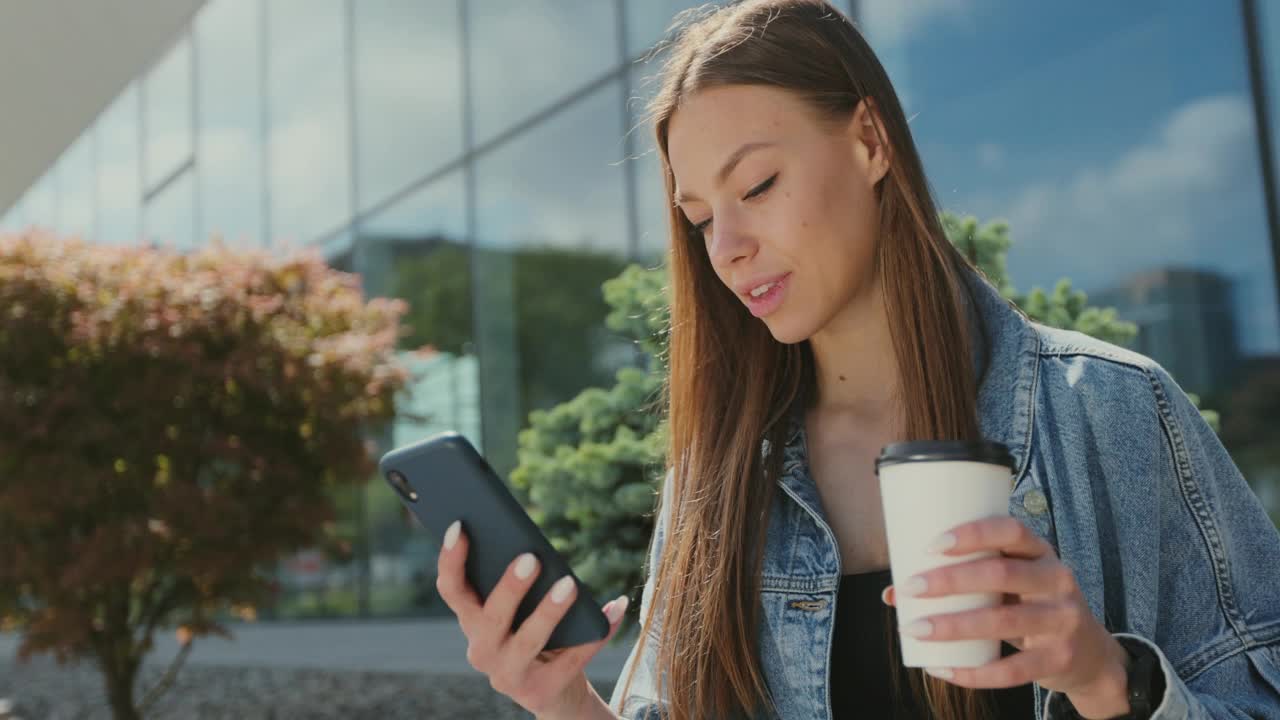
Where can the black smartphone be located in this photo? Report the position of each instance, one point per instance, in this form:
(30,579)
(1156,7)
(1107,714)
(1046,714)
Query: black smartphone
(442,479)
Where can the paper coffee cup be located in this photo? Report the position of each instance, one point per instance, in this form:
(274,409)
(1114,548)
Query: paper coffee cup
(928,488)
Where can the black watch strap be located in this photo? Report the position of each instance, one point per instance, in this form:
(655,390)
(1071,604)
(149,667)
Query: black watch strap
(1145,681)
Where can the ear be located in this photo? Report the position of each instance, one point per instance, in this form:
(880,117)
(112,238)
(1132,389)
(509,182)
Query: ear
(870,141)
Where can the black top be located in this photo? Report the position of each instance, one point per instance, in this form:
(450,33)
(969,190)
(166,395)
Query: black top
(863,681)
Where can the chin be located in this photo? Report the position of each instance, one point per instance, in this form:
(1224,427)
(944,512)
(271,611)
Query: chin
(786,330)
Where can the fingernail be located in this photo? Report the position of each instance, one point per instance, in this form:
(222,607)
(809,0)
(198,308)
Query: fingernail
(451,535)
(919,629)
(561,589)
(944,542)
(615,609)
(915,586)
(942,673)
(525,566)
(884,595)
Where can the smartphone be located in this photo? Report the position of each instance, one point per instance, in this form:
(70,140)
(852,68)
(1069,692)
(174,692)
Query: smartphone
(442,479)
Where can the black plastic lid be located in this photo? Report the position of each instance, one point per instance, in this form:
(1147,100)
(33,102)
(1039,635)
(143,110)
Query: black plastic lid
(938,450)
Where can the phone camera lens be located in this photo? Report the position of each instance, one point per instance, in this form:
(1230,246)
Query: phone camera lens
(401,485)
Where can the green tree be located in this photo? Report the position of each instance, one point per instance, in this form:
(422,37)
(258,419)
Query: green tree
(589,469)
(170,425)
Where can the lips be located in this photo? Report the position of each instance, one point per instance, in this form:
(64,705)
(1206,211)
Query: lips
(744,288)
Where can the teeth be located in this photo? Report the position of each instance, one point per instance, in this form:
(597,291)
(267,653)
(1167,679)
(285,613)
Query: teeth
(762,289)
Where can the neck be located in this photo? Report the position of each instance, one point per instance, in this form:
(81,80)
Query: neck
(855,366)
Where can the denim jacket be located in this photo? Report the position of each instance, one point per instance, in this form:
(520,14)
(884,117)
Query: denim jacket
(1117,470)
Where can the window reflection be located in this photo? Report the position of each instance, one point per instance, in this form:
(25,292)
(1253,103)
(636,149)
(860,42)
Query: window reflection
(76,180)
(309,148)
(118,176)
(1140,183)
(170,215)
(408,92)
(572,41)
(552,226)
(167,113)
(41,202)
(416,250)
(229,48)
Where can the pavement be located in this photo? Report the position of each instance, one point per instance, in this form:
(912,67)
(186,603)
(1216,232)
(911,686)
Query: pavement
(433,646)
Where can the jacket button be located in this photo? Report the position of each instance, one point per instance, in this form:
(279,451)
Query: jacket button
(1035,502)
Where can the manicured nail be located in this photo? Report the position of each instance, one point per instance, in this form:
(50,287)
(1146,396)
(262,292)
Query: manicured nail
(944,542)
(919,629)
(615,609)
(915,587)
(942,673)
(884,595)
(561,589)
(451,535)
(525,566)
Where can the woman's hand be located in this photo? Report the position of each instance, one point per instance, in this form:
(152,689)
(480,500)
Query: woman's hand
(1063,647)
(549,684)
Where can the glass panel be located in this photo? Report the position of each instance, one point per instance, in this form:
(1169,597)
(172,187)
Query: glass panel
(170,216)
(229,48)
(552,225)
(167,97)
(41,203)
(408,92)
(76,180)
(651,206)
(573,41)
(416,250)
(1120,160)
(15,218)
(310,177)
(118,192)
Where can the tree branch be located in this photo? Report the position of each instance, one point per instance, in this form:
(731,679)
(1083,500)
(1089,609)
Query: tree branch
(166,680)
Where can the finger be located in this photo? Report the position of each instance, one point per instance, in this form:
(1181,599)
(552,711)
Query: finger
(1001,534)
(500,607)
(451,577)
(886,596)
(574,659)
(523,647)
(1017,669)
(1003,622)
(994,575)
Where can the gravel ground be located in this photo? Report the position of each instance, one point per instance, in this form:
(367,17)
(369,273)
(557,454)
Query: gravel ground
(41,690)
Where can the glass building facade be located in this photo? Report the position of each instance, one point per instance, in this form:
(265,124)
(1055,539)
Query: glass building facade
(485,161)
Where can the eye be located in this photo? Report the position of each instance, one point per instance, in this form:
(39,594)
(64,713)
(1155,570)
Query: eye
(755,192)
(761,188)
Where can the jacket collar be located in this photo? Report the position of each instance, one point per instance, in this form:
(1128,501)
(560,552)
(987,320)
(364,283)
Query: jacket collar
(1005,351)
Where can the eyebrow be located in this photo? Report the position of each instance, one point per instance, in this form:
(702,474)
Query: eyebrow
(728,167)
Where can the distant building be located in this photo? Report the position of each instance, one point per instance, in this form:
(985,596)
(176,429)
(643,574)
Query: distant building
(1185,322)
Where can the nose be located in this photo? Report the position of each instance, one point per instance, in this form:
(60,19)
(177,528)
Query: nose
(730,242)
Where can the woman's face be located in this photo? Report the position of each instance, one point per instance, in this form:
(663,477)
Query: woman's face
(786,206)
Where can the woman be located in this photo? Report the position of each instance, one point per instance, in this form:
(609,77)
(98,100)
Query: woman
(819,310)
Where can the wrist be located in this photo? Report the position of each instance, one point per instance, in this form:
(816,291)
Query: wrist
(1107,696)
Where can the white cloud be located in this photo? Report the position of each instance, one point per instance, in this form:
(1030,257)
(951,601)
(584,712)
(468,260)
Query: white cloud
(1189,196)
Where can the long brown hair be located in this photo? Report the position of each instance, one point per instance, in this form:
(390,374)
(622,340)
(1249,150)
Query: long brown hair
(724,364)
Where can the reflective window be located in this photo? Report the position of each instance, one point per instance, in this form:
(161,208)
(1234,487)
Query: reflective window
(1121,161)
(408,92)
(309,143)
(648,20)
(15,218)
(552,226)
(76,181)
(571,42)
(417,250)
(229,145)
(651,193)
(169,216)
(167,113)
(41,202)
(118,172)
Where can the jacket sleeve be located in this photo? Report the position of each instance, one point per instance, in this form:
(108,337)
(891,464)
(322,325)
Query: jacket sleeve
(641,699)
(1222,519)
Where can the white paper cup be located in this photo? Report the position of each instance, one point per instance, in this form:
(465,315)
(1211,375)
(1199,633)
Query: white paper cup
(927,489)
